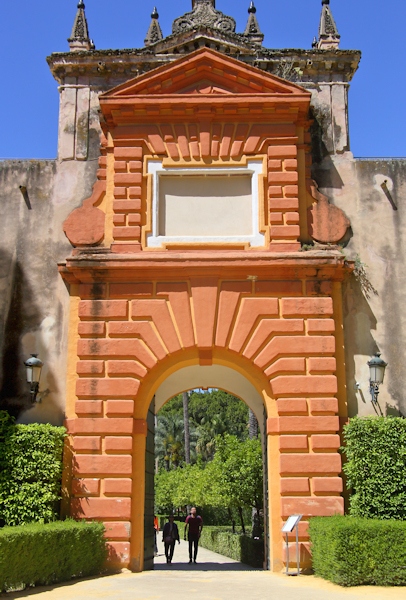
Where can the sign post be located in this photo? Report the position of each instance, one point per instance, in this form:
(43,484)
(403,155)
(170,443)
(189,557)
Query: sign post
(291,524)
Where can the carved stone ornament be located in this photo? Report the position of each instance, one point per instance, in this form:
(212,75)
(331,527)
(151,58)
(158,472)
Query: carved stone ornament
(327,223)
(203,13)
(85,225)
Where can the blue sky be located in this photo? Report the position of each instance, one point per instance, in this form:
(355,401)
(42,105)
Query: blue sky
(30,30)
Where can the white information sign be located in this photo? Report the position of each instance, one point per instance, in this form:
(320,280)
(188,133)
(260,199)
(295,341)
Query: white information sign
(291,523)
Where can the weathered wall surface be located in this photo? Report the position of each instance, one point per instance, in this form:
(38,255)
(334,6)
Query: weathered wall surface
(34,300)
(372,192)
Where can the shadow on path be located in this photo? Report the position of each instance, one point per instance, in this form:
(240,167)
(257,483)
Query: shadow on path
(204,566)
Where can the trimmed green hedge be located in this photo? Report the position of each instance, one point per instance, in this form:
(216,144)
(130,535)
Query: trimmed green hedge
(375,449)
(30,471)
(357,551)
(38,554)
(236,546)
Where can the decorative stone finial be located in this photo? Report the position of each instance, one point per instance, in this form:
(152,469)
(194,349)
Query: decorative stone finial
(252,30)
(154,33)
(79,39)
(204,13)
(329,37)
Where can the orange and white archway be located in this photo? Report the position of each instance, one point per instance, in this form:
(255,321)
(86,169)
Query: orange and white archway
(169,284)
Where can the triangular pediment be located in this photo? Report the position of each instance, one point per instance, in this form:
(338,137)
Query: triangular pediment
(202,72)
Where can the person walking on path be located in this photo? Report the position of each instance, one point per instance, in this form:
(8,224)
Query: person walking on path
(170,534)
(193,529)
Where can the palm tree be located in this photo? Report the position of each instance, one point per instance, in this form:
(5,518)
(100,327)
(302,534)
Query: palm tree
(185,398)
(169,440)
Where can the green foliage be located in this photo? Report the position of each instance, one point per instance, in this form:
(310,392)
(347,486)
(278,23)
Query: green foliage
(236,546)
(210,414)
(30,471)
(236,473)
(375,448)
(233,479)
(38,554)
(356,551)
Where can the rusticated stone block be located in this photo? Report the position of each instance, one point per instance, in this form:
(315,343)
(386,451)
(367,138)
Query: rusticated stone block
(134,219)
(292,405)
(133,152)
(117,530)
(295,485)
(87,464)
(319,288)
(297,443)
(313,507)
(96,291)
(275,177)
(90,367)
(327,485)
(318,365)
(90,443)
(282,151)
(131,368)
(102,426)
(325,424)
(320,325)
(103,309)
(89,407)
(118,553)
(119,220)
(126,206)
(291,191)
(127,179)
(304,384)
(92,329)
(118,444)
(307,464)
(117,486)
(101,508)
(86,487)
(285,231)
(135,165)
(306,306)
(126,233)
(323,405)
(104,388)
(119,408)
(116,348)
(325,442)
(283,203)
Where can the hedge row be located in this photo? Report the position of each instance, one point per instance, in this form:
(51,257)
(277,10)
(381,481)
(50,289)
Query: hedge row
(242,548)
(359,551)
(375,451)
(42,554)
(30,471)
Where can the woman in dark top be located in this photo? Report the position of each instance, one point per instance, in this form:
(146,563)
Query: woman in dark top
(170,534)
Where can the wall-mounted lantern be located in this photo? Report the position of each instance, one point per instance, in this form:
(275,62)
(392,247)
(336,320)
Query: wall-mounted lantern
(377,368)
(33,366)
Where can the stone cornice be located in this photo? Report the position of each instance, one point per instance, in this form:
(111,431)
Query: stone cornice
(91,265)
(106,68)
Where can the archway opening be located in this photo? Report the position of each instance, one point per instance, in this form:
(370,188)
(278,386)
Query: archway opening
(222,405)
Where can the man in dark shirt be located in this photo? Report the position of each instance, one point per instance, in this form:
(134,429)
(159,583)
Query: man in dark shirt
(193,529)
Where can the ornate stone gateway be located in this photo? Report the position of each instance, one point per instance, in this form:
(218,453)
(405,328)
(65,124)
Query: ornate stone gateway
(187,261)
